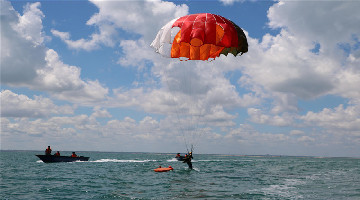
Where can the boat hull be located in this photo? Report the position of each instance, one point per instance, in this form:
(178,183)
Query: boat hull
(53,159)
(181,158)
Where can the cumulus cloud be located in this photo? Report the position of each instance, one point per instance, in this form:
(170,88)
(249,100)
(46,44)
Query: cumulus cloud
(21,52)
(257,116)
(19,105)
(338,120)
(333,22)
(246,135)
(132,17)
(284,68)
(64,82)
(100,113)
(187,89)
(25,61)
(230,2)
(30,24)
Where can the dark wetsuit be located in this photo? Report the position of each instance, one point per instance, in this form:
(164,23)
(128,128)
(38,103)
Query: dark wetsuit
(187,160)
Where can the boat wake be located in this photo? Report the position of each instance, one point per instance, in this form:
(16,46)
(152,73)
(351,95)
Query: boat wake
(122,161)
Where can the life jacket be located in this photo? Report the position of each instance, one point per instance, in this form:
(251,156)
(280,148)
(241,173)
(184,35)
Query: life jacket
(48,151)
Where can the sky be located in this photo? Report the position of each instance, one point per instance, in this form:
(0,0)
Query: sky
(81,76)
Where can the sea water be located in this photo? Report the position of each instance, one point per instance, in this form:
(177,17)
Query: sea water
(131,176)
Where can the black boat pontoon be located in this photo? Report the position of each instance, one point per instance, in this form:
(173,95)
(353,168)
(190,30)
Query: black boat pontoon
(52,158)
(180,158)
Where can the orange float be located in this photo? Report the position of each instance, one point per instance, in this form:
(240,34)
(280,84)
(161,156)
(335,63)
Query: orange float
(163,169)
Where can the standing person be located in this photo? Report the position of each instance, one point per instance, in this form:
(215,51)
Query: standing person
(187,160)
(48,151)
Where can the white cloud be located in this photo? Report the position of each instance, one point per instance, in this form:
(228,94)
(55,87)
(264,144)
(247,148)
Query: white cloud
(296,132)
(285,67)
(18,105)
(257,116)
(64,82)
(137,17)
(20,55)
(330,24)
(247,135)
(279,64)
(100,113)
(230,2)
(326,22)
(195,89)
(306,139)
(30,24)
(339,120)
(105,37)
(137,52)
(25,61)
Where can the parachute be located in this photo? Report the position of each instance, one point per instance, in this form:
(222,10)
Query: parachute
(201,36)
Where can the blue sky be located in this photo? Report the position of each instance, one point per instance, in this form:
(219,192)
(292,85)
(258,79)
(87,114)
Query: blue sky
(81,75)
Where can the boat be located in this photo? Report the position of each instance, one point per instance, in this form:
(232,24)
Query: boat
(180,158)
(53,158)
(163,169)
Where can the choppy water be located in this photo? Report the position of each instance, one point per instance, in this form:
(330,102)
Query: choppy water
(131,176)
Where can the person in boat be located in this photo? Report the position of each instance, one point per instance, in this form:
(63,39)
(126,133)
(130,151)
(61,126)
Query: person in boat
(187,160)
(177,155)
(57,153)
(73,155)
(48,151)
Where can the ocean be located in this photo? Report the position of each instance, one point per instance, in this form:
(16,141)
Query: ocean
(131,176)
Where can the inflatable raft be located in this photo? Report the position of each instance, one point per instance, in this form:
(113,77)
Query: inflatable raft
(163,169)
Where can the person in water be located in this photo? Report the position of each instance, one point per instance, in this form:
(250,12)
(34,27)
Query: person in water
(48,151)
(187,160)
(57,153)
(73,155)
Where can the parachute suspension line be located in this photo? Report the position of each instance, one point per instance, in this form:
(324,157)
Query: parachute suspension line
(181,128)
(177,112)
(186,114)
(191,100)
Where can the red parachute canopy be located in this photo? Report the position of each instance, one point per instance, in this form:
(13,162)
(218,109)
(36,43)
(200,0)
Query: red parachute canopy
(200,37)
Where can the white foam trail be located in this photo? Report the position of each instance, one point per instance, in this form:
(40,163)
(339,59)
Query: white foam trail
(123,161)
(172,160)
